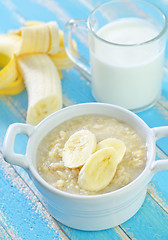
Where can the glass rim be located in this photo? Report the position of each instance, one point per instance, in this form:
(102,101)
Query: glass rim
(159,35)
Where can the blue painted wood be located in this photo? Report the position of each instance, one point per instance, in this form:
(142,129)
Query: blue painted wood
(148,222)
(4,234)
(83,235)
(19,211)
(76,88)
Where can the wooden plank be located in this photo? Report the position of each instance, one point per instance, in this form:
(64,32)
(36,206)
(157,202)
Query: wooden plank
(3,234)
(11,233)
(113,233)
(149,222)
(22,208)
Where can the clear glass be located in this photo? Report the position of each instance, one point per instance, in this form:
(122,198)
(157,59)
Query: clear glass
(127,40)
(127,72)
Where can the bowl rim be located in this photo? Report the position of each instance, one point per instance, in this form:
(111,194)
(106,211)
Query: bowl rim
(140,178)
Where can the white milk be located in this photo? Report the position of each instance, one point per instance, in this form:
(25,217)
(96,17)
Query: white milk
(129,76)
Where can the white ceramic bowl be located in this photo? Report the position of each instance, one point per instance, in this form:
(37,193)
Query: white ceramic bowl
(87,212)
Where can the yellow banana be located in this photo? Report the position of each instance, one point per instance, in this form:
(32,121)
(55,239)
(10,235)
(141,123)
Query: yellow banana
(39,49)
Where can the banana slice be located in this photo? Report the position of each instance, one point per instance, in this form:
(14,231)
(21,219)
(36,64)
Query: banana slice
(115,143)
(99,170)
(78,148)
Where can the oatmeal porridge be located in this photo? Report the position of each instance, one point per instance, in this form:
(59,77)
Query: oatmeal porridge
(52,162)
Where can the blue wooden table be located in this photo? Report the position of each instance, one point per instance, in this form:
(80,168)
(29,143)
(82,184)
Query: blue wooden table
(22,214)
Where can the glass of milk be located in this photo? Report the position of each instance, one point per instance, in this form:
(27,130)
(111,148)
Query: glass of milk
(127,45)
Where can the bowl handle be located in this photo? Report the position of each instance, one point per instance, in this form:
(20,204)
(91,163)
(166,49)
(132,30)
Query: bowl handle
(160,165)
(9,141)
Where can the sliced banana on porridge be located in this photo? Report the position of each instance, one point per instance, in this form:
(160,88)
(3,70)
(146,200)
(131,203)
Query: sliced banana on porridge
(83,166)
(79,148)
(99,169)
(115,143)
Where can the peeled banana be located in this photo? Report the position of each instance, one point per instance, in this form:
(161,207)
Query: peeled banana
(99,170)
(43,85)
(36,53)
(79,148)
(115,143)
